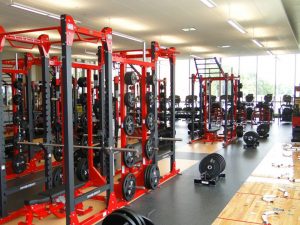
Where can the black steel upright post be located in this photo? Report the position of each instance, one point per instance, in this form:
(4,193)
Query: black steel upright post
(172,106)
(193,109)
(109,140)
(47,118)
(154,91)
(101,97)
(3,197)
(29,106)
(226,107)
(68,123)
(232,102)
(202,108)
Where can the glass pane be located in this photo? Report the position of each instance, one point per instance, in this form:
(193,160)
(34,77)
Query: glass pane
(265,76)
(231,65)
(298,70)
(248,74)
(285,79)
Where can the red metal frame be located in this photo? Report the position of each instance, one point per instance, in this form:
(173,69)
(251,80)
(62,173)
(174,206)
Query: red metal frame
(77,34)
(211,137)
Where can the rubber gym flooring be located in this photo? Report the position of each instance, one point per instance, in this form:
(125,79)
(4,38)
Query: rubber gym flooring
(181,202)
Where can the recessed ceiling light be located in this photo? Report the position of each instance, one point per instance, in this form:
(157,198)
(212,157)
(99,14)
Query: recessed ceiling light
(269,52)
(189,29)
(37,11)
(237,26)
(257,43)
(224,46)
(209,3)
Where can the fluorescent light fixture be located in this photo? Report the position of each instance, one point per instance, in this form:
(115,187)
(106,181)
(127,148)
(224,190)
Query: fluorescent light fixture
(37,11)
(237,26)
(224,46)
(209,3)
(269,52)
(257,43)
(55,46)
(195,56)
(188,29)
(127,37)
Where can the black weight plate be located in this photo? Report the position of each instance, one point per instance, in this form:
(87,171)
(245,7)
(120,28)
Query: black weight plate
(17,99)
(78,155)
(149,150)
(81,82)
(150,121)
(131,214)
(117,219)
(82,170)
(130,78)
(263,129)
(239,131)
(150,79)
(149,99)
(152,177)
(19,163)
(147,221)
(129,125)
(18,84)
(210,166)
(57,176)
(129,187)
(129,157)
(129,99)
(58,154)
(250,138)
(146,176)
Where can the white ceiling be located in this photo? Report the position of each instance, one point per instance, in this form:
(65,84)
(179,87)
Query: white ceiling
(162,20)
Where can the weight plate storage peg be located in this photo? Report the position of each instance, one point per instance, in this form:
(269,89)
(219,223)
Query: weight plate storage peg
(129,125)
(82,170)
(149,150)
(129,99)
(152,176)
(129,157)
(19,164)
(150,121)
(150,99)
(57,176)
(211,166)
(129,187)
(130,78)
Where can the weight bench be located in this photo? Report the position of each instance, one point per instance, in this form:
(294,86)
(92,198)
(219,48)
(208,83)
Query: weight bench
(44,204)
(49,195)
(213,130)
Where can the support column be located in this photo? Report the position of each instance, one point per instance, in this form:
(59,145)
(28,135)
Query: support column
(68,117)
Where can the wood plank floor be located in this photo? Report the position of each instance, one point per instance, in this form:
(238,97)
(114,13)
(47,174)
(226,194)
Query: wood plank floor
(280,170)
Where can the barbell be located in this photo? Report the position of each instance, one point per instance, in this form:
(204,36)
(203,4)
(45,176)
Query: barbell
(79,146)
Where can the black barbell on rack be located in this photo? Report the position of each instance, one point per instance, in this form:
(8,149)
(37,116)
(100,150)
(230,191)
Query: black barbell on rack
(79,146)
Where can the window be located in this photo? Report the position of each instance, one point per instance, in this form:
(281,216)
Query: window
(265,76)
(285,76)
(248,74)
(230,65)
